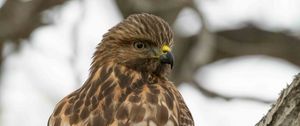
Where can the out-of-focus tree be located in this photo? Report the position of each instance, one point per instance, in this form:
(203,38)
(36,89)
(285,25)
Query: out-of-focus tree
(19,18)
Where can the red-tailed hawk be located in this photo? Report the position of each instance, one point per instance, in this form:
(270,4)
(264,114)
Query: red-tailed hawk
(128,83)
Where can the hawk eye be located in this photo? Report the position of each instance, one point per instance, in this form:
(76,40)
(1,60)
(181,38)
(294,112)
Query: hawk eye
(139,45)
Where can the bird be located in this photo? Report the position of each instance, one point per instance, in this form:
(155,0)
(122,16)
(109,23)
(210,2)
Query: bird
(128,82)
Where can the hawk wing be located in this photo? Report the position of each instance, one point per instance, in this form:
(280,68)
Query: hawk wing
(184,117)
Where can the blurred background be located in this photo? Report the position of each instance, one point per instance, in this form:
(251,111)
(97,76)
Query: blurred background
(233,57)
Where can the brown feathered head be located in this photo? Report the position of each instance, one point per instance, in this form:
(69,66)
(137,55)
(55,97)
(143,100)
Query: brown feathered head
(141,42)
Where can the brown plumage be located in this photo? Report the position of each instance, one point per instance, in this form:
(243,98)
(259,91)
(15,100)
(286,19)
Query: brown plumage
(128,83)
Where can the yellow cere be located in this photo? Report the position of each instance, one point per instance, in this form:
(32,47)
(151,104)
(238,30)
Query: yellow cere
(166,48)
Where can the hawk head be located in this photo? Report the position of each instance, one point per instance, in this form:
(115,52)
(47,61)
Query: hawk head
(141,42)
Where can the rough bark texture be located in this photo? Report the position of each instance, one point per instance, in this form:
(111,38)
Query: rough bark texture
(286,111)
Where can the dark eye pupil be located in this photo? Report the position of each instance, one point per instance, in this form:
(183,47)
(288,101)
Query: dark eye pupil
(139,45)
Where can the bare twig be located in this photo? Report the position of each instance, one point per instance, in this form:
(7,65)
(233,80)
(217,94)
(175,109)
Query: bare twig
(212,94)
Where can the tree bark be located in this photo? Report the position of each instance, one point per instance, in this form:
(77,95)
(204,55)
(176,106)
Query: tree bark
(286,111)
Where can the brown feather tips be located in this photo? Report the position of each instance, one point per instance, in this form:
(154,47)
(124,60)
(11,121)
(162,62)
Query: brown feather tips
(145,27)
(127,83)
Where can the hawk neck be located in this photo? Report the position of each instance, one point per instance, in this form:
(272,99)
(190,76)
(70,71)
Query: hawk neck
(120,76)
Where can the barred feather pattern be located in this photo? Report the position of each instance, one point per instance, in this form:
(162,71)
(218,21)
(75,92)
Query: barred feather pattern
(124,88)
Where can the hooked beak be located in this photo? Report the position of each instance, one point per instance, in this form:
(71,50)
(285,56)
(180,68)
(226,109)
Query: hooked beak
(166,57)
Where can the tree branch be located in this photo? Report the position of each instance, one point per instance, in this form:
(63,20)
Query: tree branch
(19,18)
(252,40)
(286,111)
(213,94)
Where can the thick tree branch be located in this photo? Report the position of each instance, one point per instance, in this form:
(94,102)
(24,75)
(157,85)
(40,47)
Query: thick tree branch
(286,111)
(213,94)
(19,18)
(251,40)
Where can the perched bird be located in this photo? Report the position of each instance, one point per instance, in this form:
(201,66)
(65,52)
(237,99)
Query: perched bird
(128,84)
